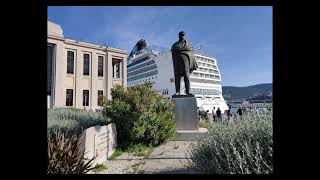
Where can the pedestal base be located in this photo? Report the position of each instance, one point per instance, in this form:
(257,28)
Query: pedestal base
(190,135)
(187,122)
(185,109)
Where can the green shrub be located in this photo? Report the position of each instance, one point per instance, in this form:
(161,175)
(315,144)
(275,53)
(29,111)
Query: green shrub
(204,124)
(140,150)
(65,156)
(141,116)
(239,148)
(73,121)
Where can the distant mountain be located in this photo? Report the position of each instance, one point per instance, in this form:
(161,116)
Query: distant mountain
(255,92)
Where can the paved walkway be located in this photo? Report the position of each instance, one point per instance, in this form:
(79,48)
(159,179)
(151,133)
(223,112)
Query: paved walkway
(169,158)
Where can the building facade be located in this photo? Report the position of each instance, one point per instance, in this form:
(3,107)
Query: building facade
(80,72)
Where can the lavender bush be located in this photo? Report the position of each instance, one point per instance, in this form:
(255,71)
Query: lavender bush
(73,121)
(238,148)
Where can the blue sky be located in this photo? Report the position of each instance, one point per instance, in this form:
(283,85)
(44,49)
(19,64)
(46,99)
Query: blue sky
(239,37)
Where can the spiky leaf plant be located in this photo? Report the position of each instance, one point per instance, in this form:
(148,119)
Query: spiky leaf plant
(65,155)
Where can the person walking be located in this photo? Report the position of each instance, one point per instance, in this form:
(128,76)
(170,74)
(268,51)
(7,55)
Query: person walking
(214,114)
(235,120)
(218,114)
(199,113)
(239,112)
(203,115)
(228,114)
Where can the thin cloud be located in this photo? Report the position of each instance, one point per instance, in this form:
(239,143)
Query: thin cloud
(136,25)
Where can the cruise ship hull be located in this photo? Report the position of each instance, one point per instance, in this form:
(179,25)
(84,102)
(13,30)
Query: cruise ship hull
(207,91)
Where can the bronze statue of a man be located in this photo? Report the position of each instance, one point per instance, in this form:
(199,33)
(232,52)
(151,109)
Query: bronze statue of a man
(184,63)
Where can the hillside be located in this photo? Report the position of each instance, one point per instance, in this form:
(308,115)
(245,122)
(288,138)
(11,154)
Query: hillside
(255,92)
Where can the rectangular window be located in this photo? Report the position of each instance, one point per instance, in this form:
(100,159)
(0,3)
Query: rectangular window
(85,98)
(70,62)
(69,97)
(100,97)
(113,71)
(100,66)
(49,69)
(86,64)
(118,70)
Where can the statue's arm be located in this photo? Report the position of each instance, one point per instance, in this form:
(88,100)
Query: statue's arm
(180,47)
(186,48)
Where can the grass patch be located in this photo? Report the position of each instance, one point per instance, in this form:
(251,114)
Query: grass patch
(99,167)
(140,150)
(117,153)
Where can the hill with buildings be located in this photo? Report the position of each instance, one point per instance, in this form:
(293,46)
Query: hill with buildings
(255,92)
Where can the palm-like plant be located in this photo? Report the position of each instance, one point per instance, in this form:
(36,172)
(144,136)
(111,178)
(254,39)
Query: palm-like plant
(65,156)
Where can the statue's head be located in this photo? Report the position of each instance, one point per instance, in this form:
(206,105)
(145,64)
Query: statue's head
(181,36)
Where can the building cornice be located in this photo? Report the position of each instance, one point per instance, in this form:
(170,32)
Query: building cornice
(84,44)
(89,45)
(56,37)
(117,50)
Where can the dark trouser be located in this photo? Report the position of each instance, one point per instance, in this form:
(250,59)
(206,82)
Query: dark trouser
(214,118)
(186,77)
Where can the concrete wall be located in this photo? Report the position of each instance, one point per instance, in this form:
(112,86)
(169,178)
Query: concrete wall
(99,142)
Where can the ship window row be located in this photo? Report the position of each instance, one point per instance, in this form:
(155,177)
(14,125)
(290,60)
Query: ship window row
(206,65)
(146,69)
(205,60)
(208,70)
(141,81)
(141,65)
(205,75)
(137,62)
(151,73)
(142,70)
(205,91)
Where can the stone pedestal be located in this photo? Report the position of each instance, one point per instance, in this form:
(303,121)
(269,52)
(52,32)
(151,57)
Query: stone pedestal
(187,122)
(185,109)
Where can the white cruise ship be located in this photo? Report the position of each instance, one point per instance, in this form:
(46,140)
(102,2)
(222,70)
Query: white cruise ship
(154,64)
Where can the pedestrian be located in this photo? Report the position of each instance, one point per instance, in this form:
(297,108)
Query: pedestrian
(239,112)
(235,118)
(214,114)
(201,114)
(218,114)
(204,115)
(228,114)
